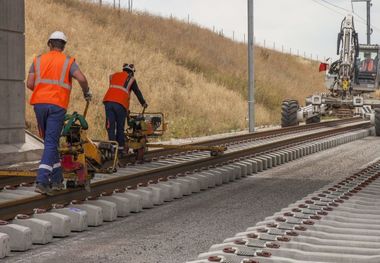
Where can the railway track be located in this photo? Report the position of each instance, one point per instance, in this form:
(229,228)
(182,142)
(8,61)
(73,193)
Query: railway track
(231,141)
(143,186)
(338,223)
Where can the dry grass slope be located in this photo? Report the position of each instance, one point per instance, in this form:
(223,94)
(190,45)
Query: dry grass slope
(196,77)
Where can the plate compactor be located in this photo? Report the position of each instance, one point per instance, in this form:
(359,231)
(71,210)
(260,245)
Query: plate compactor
(80,157)
(143,127)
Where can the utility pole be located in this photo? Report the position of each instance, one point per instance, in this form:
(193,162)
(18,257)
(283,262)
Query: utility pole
(251,69)
(369,29)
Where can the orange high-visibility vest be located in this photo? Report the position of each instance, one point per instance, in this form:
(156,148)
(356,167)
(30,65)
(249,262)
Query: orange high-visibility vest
(370,65)
(120,89)
(52,83)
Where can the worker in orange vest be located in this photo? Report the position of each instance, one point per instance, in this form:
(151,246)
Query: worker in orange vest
(50,79)
(368,64)
(116,102)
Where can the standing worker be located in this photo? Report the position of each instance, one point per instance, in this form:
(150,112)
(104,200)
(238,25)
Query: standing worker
(116,102)
(50,79)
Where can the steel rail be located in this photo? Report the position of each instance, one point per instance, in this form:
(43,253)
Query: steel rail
(9,210)
(253,136)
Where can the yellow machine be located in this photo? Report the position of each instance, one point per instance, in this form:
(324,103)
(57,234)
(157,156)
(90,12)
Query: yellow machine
(144,126)
(80,156)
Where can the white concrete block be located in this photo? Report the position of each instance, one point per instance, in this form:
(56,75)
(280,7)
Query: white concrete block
(122,204)
(210,178)
(226,173)
(135,200)
(61,223)
(78,217)
(176,188)
(239,170)
(146,196)
(217,176)
(108,209)
(169,191)
(187,185)
(20,236)
(94,213)
(248,166)
(5,248)
(42,231)
(203,180)
(194,182)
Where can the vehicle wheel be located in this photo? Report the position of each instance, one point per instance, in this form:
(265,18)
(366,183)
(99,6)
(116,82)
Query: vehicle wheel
(289,110)
(377,122)
(314,119)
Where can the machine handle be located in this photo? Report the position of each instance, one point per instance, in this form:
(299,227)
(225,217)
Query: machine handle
(86,109)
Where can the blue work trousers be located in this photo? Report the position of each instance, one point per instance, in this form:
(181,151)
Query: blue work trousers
(50,119)
(115,122)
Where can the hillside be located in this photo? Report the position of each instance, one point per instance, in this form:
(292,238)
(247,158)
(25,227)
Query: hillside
(197,78)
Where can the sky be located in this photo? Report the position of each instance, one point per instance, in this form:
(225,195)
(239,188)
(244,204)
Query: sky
(305,26)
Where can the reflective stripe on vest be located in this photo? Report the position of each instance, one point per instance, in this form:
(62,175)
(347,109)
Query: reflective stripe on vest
(123,88)
(119,87)
(60,82)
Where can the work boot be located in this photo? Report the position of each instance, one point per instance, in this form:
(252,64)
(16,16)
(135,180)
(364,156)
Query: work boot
(43,189)
(57,186)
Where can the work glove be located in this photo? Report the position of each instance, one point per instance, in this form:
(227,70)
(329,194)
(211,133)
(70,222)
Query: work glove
(145,105)
(87,95)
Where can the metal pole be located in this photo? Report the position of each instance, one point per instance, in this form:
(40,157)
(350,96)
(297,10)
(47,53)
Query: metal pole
(251,69)
(369,30)
(368,22)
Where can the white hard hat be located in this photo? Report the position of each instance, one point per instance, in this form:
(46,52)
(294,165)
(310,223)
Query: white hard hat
(58,35)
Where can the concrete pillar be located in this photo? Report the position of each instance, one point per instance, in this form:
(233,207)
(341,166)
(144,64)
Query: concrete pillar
(12,71)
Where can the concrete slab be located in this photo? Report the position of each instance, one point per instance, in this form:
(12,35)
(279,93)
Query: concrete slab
(122,204)
(20,236)
(94,213)
(146,197)
(108,209)
(61,223)
(5,248)
(186,185)
(42,231)
(135,200)
(202,179)
(218,177)
(176,189)
(78,217)
(29,151)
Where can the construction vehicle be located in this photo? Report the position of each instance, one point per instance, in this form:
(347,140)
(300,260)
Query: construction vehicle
(80,157)
(142,127)
(350,84)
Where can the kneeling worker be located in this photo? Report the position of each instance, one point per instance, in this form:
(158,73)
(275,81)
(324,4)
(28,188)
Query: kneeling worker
(116,102)
(50,79)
